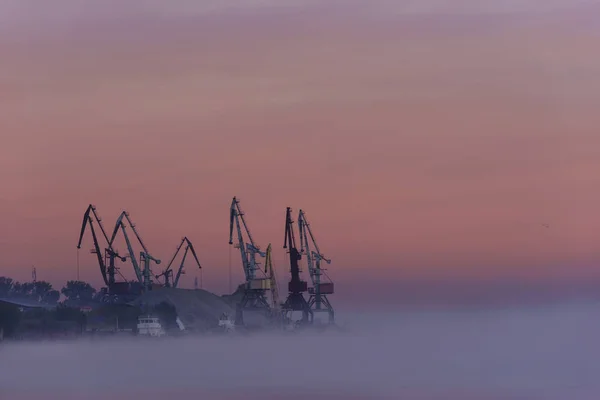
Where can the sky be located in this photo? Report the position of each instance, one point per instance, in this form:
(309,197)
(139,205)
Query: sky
(425,140)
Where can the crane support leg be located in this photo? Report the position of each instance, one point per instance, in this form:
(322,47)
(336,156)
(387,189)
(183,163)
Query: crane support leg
(297,302)
(320,303)
(252,301)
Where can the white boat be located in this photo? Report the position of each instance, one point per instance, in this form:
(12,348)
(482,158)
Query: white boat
(150,326)
(226,323)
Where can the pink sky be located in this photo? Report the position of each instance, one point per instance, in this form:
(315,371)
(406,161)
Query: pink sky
(420,142)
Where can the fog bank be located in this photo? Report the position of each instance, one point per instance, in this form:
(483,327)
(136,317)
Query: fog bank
(537,353)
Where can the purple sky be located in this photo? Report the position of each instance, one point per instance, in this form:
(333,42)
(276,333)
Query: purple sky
(422,141)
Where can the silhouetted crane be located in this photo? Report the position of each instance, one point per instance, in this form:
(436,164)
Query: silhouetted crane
(296,286)
(318,300)
(254,298)
(108,274)
(143,276)
(168,272)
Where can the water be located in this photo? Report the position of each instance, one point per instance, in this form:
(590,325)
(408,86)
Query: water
(529,353)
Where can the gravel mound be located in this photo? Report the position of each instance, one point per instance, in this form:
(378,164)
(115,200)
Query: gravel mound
(197,309)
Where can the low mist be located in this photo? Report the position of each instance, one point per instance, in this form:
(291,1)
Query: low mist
(526,353)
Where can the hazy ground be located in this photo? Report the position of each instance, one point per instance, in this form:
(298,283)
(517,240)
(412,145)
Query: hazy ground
(536,353)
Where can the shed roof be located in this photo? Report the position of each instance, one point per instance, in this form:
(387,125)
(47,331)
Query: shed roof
(26,303)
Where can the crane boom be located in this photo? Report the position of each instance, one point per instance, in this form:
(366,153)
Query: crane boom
(315,257)
(145,257)
(96,249)
(168,272)
(125,215)
(108,274)
(88,218)
(132,256)
(180,270)
(189,247)
(303,225)
(248,249)
(296,284)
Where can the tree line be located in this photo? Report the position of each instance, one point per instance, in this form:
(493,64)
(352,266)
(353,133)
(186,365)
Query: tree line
(76,293)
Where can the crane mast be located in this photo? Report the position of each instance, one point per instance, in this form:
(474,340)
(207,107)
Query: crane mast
(318,300)
(254,288)
(296,286)
(108,273)
(143,276)
(145,260)
(168,272)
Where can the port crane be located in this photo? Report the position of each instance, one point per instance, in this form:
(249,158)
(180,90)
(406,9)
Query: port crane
(168,272)
(143,276)
(276,311)
(296,286)
(254,288)
(108,272)
(322,284)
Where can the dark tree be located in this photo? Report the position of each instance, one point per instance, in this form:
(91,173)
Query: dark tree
(51,297)
(78,293)
(43,292)
(23,290)
(41,289)
(6,286)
